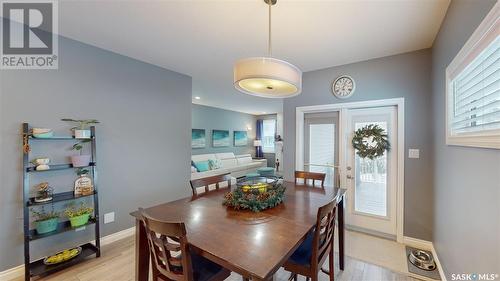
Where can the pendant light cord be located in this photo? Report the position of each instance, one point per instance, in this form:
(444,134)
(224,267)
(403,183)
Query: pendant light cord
(269,45)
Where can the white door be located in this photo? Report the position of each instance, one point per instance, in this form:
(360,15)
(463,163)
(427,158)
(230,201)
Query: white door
(372,184)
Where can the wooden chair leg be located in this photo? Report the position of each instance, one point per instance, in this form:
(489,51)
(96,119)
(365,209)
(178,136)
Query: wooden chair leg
(331,265)
(156,275)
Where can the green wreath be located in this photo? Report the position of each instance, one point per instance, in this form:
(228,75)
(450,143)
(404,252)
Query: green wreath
(378,136)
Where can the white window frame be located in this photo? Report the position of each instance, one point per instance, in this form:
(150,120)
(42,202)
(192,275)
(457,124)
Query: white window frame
(486,32)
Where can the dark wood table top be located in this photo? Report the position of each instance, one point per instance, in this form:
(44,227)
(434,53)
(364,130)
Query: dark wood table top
(253,244)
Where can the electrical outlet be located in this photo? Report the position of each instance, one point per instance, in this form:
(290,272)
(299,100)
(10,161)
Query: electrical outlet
(109,217)
(413,153)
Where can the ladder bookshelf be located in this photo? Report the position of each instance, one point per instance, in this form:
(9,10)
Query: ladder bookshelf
(37,267)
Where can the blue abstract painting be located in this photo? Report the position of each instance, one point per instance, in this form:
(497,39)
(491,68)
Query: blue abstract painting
(220,138)
(240,138)
(197,138)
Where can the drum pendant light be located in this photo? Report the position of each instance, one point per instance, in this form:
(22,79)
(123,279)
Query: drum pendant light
(266,76)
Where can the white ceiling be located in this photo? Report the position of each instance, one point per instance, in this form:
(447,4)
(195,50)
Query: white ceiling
(203,38)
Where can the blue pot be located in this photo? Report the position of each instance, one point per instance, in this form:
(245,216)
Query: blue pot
(46,226)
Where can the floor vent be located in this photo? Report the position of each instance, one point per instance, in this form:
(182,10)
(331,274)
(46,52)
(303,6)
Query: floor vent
(422,263)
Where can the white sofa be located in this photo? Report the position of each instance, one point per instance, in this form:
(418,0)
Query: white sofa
(237,166)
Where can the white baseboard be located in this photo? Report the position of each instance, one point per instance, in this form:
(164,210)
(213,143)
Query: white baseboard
(425,245)
(438,264)
(417,243)
(12,273)
(117,236)
(18,271)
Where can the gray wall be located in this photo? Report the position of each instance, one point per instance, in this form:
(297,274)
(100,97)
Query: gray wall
(209,118)
(467,181)
(143,142)
(406,75)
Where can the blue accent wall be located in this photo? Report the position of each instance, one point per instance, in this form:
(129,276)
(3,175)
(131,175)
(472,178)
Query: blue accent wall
(143,140)
(405,75)
(212,118)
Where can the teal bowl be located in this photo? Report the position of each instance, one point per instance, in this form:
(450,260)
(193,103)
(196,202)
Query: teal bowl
(44,135)
(46,226)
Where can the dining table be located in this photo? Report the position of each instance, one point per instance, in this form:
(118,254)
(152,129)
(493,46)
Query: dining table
(252,244)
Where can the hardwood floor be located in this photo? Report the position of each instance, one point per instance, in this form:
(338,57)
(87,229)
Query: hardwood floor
(117,264)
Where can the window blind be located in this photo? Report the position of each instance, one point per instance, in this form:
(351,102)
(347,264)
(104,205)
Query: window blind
(321,144)
(476,93)
(269,133)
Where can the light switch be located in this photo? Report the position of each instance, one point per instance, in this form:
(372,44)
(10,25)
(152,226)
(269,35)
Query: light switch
(413,153)
(109,217)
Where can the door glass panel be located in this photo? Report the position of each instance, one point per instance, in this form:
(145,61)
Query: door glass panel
(322,150)
(371,180)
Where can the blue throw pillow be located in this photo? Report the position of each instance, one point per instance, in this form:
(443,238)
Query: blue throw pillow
(214,164)
(202,166)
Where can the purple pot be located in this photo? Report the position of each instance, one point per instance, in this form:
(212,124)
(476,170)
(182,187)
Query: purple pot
(80,160)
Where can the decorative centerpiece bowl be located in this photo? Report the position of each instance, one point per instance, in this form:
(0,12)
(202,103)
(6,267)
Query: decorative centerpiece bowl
(256,194)
(62,256)
(257,185)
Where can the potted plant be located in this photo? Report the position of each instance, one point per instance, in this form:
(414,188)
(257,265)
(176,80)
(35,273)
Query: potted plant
(81,131)
(45,222)
(78,216)
(80,160)
(44,192)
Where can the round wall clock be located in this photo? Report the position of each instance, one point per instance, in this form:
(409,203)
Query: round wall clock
(343,87)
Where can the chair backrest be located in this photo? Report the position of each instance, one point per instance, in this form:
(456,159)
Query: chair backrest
(310,176)
(206,182)
(168,246)
(323,233)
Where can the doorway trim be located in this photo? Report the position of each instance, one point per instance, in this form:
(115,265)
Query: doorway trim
(399,103)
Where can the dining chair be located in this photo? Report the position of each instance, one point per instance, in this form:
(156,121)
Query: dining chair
(311,254)
(171,256)
(208,181)
(310,176)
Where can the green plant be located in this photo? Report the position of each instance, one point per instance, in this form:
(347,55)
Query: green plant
(83,124)
(81,171)
(79,145)
(73,211)
(42,215)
